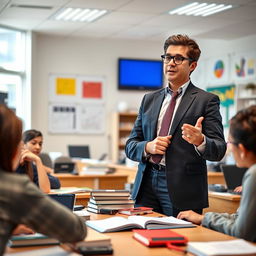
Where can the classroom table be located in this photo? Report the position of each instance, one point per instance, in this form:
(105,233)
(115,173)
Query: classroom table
(99,181)
(223,202)
(124,245)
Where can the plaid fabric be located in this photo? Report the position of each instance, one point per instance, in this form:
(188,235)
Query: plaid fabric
(21,202)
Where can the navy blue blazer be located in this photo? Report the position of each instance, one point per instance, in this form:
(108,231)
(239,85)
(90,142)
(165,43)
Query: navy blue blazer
(186,170)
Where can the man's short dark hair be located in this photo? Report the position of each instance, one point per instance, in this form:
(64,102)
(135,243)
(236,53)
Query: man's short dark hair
(193,48)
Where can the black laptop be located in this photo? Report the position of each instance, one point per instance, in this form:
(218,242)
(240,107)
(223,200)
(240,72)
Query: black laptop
(64,167)
(67,200)
(79,151)
(233,176)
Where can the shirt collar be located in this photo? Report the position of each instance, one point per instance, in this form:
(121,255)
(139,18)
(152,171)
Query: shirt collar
(181,90)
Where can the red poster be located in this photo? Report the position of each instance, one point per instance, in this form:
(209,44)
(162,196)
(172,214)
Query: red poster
(92,90)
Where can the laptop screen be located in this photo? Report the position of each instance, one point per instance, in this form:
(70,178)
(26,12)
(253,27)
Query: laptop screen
(79,151)
(67,200)
(233,175)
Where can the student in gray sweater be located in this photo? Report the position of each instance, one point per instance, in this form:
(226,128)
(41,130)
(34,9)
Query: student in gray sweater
(242,142)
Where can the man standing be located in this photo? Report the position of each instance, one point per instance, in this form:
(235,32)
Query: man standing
(178,128)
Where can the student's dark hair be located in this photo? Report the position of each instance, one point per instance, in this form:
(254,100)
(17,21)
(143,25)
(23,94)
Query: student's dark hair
(10,137)
(30,135)
(193,48)
(243,128)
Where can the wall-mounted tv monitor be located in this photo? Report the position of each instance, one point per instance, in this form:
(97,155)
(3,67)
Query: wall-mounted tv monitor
(138,74)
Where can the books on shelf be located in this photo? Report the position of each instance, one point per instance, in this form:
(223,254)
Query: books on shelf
(222,248)
(158,237)
(113,224)
(31,240)
(136,211)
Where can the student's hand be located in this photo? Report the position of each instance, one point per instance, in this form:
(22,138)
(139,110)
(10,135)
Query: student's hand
(193,134)
(238,189)
(27,155)
(191,216)
(158,145)
(22,229)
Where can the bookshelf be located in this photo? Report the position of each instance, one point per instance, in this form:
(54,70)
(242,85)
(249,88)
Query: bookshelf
(122,125)
(245,97)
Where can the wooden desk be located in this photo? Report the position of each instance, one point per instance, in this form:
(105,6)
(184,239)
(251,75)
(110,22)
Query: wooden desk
(125,245)
(108,181)
(223,202)
(216,178)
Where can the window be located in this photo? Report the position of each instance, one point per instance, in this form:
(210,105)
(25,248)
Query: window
(13,70)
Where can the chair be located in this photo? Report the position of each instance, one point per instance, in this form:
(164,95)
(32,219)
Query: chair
(79,151)
(46,160)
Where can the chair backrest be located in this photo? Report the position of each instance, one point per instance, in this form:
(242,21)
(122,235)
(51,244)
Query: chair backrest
(79,151)
(46,160)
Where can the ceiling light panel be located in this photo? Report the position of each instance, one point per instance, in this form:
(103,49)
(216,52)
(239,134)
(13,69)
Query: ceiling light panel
(79,14)
(200,9)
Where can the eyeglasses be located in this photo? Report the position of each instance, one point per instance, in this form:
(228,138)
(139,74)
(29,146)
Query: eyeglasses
(177,59)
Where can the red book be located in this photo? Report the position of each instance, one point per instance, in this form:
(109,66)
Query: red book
(136,210)
(159,237)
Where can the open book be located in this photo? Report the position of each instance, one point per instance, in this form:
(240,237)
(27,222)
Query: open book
(113,224)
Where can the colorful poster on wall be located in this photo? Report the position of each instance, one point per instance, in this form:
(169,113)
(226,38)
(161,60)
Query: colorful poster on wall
(243,67)
(218,70)
(76,104)
(227,96)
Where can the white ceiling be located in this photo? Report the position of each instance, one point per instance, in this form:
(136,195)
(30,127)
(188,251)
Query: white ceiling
(131,19)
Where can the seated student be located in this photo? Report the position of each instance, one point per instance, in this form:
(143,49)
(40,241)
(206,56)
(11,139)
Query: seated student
(242,141)
(31,163)
(21,202)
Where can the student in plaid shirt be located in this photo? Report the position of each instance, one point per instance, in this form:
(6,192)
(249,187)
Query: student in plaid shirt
(21,202)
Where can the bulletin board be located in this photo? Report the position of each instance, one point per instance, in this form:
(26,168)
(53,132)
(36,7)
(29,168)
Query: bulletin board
(76,104)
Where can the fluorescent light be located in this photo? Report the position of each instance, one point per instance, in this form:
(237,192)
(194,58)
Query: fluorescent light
(186,11)
(79,14)
(218,10)
(200,9)
(183,8)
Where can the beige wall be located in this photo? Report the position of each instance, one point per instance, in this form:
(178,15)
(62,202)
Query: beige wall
(97,57)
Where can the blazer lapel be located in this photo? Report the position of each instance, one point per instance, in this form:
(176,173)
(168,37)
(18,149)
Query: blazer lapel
(155,110)
(184,105)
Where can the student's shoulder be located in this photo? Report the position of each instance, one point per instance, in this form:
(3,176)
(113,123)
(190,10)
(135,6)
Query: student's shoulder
(19,185)
(154,93)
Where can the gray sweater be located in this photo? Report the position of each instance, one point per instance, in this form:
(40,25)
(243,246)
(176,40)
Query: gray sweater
(21,202)
(241,224)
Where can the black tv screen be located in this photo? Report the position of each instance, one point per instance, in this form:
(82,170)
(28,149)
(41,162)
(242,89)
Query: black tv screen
(137,74)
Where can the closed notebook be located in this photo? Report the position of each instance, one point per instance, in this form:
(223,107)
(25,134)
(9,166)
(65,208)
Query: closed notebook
(31,240)
(158,237)
(222,248)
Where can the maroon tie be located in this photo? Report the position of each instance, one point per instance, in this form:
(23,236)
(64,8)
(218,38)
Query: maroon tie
(165,125)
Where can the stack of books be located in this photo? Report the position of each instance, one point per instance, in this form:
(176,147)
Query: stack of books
(105,201)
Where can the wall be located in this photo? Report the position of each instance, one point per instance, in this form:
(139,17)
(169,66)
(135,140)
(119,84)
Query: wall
(98,57)
(91,57)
